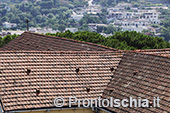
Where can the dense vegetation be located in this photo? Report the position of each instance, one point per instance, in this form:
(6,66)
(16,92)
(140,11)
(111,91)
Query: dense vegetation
(107,3)
(120,40)
(56,14)
(7,39)
(51,13)
(125,40)
(165,24)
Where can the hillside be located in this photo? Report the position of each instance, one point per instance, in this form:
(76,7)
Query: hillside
(62,14)
(41,13)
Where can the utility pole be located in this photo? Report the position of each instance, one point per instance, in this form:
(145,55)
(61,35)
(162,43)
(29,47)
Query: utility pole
(27,21)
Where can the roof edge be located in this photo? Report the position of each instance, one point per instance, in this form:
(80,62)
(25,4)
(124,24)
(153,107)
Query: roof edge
(64,52)
(71,40)
(45,109)
(153,54)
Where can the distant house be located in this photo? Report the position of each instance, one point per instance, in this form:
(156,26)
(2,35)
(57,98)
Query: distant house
(93,26)
(73,30)
(77,17)
(43,30)
(94,9)
(106,35)
(154,1)
(9,25)
(152,15)
(11,32)
(133,28)
(132,22)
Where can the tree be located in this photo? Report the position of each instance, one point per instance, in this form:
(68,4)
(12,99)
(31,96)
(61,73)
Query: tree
(120,40)
(5,19)
(61,27)
(15,20)
(50,15)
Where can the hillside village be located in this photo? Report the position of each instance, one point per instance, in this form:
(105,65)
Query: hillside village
(123,17)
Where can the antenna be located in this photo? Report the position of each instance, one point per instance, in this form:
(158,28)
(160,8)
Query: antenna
(27,21)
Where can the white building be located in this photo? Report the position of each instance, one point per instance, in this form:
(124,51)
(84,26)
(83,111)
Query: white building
(122,15)
(77,17)
(94,9)
(133,28)
(11,32)
(73,30)
(137,23)
(134,25)
(115,9)
(151,15)
(106,35)
(43,30)
(9,25)
(93,26)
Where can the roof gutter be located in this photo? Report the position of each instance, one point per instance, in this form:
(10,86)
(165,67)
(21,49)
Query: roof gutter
(102,109)
(48,109)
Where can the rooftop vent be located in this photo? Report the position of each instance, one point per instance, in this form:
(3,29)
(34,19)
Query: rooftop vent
(28,71)
(37,92)
(77,69)
(110,91)
(88,89)
(28,43)
(135,72)
(111,69)
(48,49)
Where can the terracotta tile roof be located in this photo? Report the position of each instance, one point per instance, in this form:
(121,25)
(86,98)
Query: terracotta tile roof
(141,75)
(38,42)
(159,52)
(54,74)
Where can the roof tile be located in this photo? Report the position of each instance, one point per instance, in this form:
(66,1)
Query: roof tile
(151,80)
(53,73)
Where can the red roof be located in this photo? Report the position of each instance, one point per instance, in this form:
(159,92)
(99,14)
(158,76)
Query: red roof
(54,74)
(141,75)
(38,42)
(158,52)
